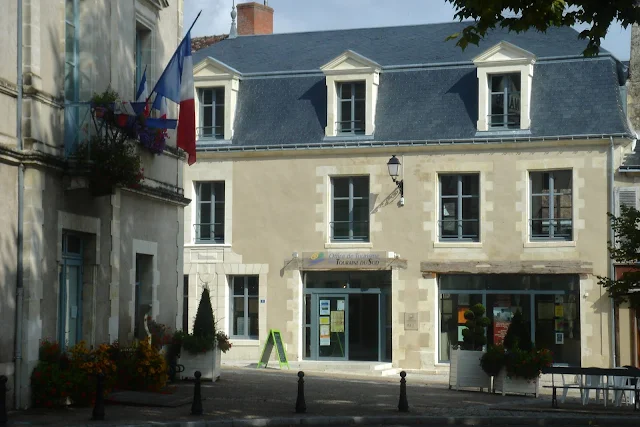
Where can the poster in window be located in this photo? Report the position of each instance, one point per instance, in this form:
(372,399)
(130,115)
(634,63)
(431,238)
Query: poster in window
(325,335)
(559,310)
(559,324)
(340,305)
(337,321)
(325,307)
(460,336)
(447,306)
(501,320)
(559,299)
(461,311)
(559,337)
(324,320)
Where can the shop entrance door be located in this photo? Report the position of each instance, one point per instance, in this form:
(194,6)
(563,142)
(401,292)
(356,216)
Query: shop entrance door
(332,320)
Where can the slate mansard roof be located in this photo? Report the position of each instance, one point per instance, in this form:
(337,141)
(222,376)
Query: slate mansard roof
(428,87)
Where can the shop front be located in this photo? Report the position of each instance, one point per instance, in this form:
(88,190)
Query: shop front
(549,304)
(347,306)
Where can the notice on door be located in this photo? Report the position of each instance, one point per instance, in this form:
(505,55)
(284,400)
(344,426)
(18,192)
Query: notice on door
(337,321)
(325,335)
(325,307)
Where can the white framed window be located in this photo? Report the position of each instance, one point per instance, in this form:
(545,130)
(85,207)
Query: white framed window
(143,54)
(351,108)
(210,215)
(504,103)
(551,205)
(211,113)
(244,307)
(460,207)
(350,209)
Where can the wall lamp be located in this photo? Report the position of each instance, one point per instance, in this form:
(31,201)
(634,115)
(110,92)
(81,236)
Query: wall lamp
(394,168)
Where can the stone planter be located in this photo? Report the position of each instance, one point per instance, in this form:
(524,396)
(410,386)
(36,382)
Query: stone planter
(207,363)
(465,370)
(504,384)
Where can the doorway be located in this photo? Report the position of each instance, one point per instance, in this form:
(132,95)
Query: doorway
(363,327)
(71,292)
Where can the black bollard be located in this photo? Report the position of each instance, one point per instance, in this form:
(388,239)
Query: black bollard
(196,406)
(98,408)
(301,406)
(403,404)
(3,400)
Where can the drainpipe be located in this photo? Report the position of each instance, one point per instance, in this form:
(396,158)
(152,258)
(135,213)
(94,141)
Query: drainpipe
(20,238)
(612,273)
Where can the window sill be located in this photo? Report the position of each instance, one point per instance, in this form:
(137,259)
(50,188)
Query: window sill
(502,132)
(551,244)
(347,138)
(211,142)
(454,244)
(207,245)
(244,342)
(348,245)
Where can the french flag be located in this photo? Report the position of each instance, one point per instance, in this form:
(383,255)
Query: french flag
(143,92)
(176,84)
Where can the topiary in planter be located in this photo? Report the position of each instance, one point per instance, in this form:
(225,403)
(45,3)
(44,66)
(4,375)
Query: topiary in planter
(518,335)
(203,338)
(474,336)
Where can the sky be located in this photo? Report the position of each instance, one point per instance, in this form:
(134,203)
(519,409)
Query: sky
(316,15)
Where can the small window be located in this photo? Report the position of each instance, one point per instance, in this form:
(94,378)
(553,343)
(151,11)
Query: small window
(460,207)
(211,113)
(209,226)
(551,205)
(350,209)
(244,306)
(143,53)
(504,105)
(351,108)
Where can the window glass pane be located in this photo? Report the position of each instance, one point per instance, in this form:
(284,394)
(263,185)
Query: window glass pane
(341,210)
(361,187)
(69,10)
(340,230)
(497,109)
(471,208)
(218,231)
(360,90)
(448,215)
(307,309)
(359,116)
(205,213)
(470,184)
(220,96)
(361,230)
(514,82)
(307,342)
(238,285)
(539,182)
(562,182)
(219,213)
(219,130)
(340,187)
(204,191)
(449,184)
(253,285)
(345,114)
(238,316)
(497,84)
(207,119)
(253,316)
(360,211)
(346,91)
(74,244)
(470,229)
(451,321)
(218,188)
(207,97)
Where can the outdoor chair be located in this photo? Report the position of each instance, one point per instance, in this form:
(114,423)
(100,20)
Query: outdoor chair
(625,390)
(596,381)
(569,381)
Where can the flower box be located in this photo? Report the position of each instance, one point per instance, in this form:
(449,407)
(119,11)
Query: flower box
(465,370)
(517,385)
(207,363)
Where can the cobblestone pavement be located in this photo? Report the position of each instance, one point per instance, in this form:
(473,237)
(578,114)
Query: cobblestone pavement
(267,397)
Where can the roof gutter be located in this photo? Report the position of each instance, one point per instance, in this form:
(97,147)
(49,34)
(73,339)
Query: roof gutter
(407,143)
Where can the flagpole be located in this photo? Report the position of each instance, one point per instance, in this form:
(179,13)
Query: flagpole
(174,54)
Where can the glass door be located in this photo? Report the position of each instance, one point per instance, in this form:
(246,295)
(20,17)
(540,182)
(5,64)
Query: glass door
(70,319)
(332,327)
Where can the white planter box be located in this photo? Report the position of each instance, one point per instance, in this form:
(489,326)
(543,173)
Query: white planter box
(517,385)
(465,370)
(207,363)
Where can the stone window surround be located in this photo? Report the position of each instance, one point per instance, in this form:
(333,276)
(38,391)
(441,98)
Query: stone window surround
(504,58)
(143,247)
(542,242)
(351,67)
(147,18)
(194,213)
(219,75)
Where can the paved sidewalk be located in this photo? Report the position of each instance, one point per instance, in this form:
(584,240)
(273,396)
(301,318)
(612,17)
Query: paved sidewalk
(247,396)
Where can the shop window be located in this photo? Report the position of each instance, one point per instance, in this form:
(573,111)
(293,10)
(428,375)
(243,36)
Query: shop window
(549,304)
(244,307)
(460,207)
(551,205)
(350,209)
(143,293)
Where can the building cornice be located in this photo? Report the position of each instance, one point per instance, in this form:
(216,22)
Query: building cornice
(8,88)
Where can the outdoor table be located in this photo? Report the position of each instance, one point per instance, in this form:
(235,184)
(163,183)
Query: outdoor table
(628,372)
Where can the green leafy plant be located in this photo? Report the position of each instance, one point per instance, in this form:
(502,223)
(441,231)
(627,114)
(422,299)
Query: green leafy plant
(493,360)
(527,364)
(518,335)
(474,335)
(203,338)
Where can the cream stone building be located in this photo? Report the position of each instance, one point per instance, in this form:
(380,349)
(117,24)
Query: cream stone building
(509,157)
(78,267)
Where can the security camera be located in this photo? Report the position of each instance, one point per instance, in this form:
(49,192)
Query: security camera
(401,201)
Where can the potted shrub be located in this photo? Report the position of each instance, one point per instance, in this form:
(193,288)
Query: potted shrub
(465,369)
(521,362)
(201,350)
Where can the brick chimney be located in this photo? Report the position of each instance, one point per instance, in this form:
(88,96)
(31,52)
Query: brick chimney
(254,18)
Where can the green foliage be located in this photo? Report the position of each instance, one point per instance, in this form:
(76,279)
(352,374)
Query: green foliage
(527,364)
(109,96)
(518,335)
(493,360)
(540,15)
(204,324)
(474,336)
(626,228)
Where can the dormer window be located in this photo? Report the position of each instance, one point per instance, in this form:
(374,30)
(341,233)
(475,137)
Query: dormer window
(211,113)
(352,92)
(505,76)
(504,108)
(351,108)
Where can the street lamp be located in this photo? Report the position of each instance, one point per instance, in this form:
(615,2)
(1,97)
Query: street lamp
(394,169)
